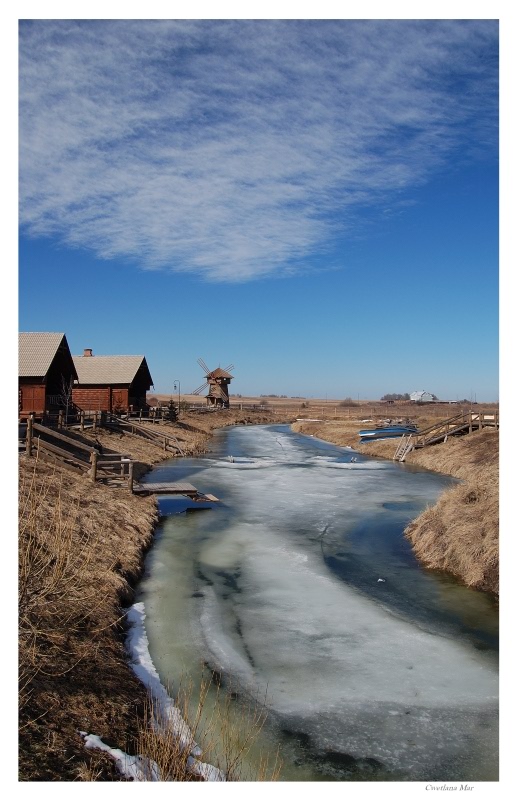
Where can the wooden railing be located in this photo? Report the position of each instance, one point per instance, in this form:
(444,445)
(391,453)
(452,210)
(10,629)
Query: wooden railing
(465,422)
(166,440)
(76,455)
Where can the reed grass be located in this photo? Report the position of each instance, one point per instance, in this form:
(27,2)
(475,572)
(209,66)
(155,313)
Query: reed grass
(223,732)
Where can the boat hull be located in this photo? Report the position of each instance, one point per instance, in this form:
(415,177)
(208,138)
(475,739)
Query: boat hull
(388,432)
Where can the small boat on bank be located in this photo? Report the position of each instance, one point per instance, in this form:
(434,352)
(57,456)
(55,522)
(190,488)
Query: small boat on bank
(386,432)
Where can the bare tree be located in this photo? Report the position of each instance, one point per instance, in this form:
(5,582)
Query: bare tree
(65,395)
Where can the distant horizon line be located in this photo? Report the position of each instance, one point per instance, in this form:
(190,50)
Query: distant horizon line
(327,400)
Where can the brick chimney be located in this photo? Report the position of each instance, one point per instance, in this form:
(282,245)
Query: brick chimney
(87,352)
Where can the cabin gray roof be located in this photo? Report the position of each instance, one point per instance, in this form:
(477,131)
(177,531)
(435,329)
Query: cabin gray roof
(108,369)
(36,352)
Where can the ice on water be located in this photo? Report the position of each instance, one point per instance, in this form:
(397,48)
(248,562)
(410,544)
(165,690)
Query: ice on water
(339,666)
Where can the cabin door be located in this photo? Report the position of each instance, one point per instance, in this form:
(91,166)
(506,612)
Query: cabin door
(31,399)
(118,400)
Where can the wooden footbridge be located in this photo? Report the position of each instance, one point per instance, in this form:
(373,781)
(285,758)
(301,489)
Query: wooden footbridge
(459,425)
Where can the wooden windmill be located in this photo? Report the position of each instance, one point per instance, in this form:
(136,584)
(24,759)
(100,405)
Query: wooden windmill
(217,380)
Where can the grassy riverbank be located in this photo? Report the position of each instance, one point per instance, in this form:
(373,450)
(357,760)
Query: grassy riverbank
(81,549)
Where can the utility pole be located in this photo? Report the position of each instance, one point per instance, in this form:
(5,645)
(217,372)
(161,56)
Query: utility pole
(174,389)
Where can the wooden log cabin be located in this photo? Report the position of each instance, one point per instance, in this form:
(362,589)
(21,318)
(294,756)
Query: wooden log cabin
(116,384)
(46,373)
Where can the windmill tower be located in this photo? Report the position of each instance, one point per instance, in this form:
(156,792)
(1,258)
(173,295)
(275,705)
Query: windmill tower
(217,380)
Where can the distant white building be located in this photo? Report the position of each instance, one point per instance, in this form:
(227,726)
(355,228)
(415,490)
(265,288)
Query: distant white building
(422,397)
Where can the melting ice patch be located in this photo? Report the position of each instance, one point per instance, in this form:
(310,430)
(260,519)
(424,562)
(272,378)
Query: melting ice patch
(238,462)
(385,689)
(356,465)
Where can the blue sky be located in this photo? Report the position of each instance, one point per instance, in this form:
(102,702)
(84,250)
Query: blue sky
(314,201)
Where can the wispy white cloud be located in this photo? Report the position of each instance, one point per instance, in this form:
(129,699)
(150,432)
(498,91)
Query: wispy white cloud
(236,149)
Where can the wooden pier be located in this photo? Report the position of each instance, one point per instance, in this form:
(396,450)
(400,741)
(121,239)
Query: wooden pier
(168,487)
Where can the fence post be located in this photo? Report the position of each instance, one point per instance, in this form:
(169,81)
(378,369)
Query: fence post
(28,440)
(82,419)
(60,418)
(130,476)
(94,426)
(93,461)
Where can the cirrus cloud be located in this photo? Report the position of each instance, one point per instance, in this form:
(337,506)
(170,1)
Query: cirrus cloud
(237,149)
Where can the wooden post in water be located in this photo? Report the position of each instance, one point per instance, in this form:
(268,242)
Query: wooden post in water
(93,461)
(28,440)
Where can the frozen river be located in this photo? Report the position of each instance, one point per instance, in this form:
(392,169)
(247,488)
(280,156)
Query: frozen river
(300,587)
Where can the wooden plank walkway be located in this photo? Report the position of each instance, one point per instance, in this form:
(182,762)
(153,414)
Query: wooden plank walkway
(170,487)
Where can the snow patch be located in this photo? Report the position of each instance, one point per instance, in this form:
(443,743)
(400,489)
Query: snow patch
(166,715)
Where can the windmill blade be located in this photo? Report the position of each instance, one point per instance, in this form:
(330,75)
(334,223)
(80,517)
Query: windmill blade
(230,366)
(200,388)
(203,365)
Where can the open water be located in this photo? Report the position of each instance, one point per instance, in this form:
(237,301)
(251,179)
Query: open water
(299,589)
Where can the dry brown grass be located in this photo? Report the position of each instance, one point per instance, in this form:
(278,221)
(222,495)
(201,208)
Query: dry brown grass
(80,549)
(461,532)
(460,535)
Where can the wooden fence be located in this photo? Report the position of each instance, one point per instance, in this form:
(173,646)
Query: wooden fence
(167,441)
(70,452)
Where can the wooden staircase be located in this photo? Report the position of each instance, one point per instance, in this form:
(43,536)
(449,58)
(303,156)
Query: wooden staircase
(459,425)
(404,447)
